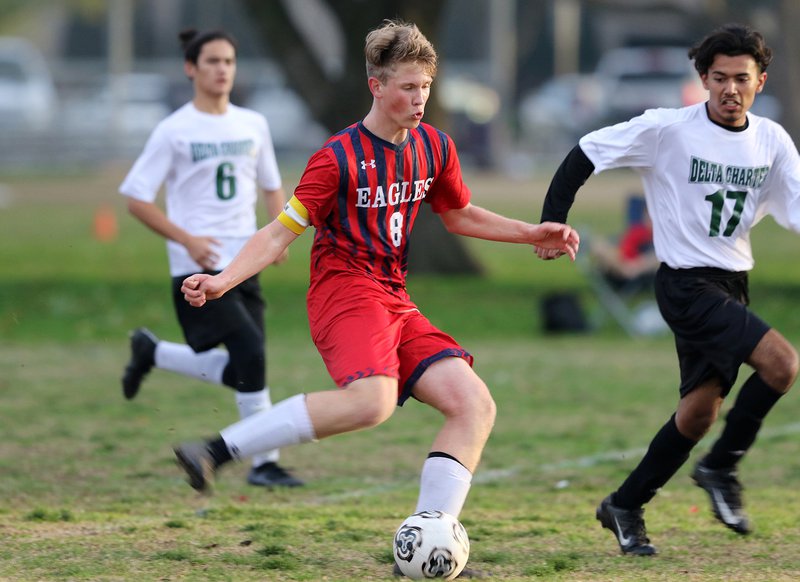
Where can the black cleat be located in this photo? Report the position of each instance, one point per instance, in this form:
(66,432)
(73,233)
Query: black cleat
(465,573)
(271,474)
(196,460)
(143,351)
(725,491)
(628,527)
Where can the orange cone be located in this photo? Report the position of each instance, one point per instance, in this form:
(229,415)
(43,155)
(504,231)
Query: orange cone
(105,224)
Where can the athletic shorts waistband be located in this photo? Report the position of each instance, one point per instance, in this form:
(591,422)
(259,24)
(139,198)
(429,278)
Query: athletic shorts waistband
(704,272)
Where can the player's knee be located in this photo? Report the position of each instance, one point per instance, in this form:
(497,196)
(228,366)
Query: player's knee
(479,406)
(695,423)
(781,375)
(371,401)
(372,413)
(245,370)
(487,410)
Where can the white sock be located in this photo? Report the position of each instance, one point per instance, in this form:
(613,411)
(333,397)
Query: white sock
(286,423)
(444,484)
(180,358)
(249,403)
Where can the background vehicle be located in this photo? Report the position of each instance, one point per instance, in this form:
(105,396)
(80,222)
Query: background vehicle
(28,99)
(562,110)
(646,77)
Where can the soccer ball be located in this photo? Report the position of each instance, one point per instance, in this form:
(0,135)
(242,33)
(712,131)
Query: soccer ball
(431,544)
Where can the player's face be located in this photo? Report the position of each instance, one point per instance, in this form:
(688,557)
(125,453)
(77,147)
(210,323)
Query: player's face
(215,69)
(732,84)
(404,95)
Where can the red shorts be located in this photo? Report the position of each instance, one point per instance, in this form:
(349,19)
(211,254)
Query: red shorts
(361,330)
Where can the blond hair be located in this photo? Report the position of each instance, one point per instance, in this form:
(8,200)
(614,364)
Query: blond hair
(395,42)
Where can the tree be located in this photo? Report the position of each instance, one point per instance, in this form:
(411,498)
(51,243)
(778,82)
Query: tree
(337,97)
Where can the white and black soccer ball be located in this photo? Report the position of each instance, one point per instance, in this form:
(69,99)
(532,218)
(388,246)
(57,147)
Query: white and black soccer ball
(431,544)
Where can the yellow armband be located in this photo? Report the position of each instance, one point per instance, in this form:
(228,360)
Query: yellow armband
(294,216)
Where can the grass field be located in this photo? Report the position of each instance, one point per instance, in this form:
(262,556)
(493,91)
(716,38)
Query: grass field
(88,486)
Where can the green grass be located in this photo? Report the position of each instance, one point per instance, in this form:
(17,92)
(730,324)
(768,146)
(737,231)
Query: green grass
(88,486)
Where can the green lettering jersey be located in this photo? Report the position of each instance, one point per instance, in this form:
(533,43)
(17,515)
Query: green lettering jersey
(706,186)
(211,166)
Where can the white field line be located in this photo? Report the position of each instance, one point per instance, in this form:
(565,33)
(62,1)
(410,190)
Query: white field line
(503,474)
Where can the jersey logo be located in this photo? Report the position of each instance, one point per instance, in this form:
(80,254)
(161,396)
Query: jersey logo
(371,164)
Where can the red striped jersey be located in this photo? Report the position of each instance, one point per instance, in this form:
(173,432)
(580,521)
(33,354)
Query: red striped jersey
(363,193)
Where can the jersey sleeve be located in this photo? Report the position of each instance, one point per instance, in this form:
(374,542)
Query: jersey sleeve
(783,187)
(448,191)
(318,187)
(267,172)
(150,169)
(631,144)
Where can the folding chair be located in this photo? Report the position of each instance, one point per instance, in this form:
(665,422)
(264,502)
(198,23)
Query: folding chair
(627,300)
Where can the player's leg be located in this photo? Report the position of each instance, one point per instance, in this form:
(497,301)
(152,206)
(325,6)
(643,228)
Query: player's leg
(149,351)
(297,420)
(775,363)
(246,373)
(198,358)
(358,343)
(622,512)
(454,389)
(437,371)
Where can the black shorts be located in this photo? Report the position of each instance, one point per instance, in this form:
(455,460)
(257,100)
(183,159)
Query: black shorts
(715,332)
(205,327)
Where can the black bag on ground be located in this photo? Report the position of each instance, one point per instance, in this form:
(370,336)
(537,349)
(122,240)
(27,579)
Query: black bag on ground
(562,312)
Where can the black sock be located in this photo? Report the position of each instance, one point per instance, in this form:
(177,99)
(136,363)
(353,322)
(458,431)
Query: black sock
(742,424)
(219,451)
(668,451)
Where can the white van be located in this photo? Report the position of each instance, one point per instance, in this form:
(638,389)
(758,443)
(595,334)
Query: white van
(28,99)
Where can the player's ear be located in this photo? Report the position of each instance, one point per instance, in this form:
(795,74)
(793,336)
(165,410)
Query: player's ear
(188,69)
(762,79)
(375,86)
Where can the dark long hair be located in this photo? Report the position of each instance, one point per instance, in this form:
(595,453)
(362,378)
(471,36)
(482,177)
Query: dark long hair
(193,41)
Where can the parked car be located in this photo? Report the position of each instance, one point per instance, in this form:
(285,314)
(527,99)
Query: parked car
(646,77)
(569,105)
(129,103)
(28,98)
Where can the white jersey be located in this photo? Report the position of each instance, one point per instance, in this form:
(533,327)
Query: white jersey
(705,186)
(212,166)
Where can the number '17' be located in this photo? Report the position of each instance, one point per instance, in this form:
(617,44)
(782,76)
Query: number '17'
(717,200)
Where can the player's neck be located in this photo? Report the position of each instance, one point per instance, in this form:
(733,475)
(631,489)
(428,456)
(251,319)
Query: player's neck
(211,104)
(385,128)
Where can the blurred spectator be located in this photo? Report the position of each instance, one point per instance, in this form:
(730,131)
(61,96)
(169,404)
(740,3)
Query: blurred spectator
(629,263)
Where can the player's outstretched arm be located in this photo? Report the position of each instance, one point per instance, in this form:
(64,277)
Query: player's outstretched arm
(263,248)
(478,222)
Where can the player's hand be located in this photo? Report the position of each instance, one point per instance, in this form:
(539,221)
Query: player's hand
(199,288)
(203,250)
(553,240)
(548,254)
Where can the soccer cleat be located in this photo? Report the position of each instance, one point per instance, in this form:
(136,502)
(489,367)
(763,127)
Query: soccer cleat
(628,527)
(465,573)
(196,460)
(143,351)
(725,491)
(271,474)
